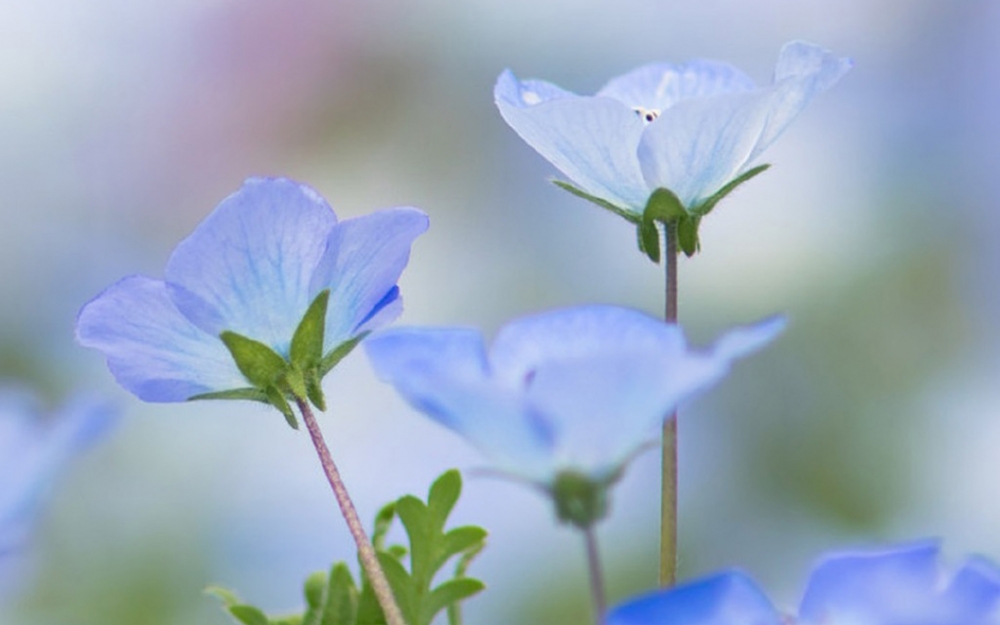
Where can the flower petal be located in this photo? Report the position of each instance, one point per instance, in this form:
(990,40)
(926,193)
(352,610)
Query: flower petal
(583,331)
(151,348)
(361,264)
(697,146)
(593,141)
(659,86)
(729,598)
(443,373)
(248,265)
(873,585)
(743,341)
(803,70)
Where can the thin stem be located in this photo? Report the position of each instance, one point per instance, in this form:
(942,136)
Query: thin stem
(596,575)
(668,490)
(365,549)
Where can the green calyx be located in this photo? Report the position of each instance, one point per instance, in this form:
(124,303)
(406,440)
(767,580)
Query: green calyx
(664,208)
(580,500)
(278,381)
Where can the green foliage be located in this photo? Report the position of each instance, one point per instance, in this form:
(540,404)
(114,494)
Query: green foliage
(334,599)
(278,381)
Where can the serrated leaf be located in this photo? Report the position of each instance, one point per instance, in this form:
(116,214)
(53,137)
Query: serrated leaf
(687,235)
(648,236)
(448,593)
(443,495)
(338,353)
(419,529)
(458,540)
(307,342)
(313,590)
(621,212)
(403,587)
(252,394)
(341,598)
(248,615)
(706,207)
(225,595)
(259,364)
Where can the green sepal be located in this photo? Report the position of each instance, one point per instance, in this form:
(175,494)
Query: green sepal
(663,206)
(580,500)
(253,394)
(307,343)
(687,235)
(277,399)
(314,389)
(259,364)
(706,207)
(628,215)
(338,353)
(648,236)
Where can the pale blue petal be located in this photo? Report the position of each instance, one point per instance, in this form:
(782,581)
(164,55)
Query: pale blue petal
(33,450)
(361,264)
(151,348)
(524,93)
(741,342)
(443,373)
(592,140)
(659,86)
(570,333)
(697,146)
(803,70)
(729,598)
(873,585)
(247,267)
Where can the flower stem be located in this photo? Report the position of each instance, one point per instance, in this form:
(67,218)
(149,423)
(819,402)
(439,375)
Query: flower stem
(366,551)
(596,575)
(668,491)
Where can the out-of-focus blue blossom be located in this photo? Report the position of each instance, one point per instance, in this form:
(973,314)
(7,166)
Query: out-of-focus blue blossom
(33,449)
(689,128)
(573,390)
(904,585)
(252,267)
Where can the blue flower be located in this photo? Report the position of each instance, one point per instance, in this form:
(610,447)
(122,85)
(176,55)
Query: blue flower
(34,448)
(271,263)
(562,399)
(692,128)
(902,585)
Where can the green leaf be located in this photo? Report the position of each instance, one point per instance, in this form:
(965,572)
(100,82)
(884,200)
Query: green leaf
(687,235)
(248,615)
(459,540)
(706,207)
(621,212)
(403,587)
(307,342)
(338,353)
(663,206)
(449,593)
(225,595)
(259,364)
(314,589)
(443,495)
(383,521)
(341,598)
(253,394)
(649,240)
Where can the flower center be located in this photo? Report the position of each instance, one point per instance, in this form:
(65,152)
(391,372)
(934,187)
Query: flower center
(647,115)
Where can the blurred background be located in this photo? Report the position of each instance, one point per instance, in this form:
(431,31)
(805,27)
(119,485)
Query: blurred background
(874,419)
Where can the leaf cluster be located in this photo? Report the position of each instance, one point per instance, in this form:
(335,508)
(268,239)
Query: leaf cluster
(335,599)
(664,208)
(277,381)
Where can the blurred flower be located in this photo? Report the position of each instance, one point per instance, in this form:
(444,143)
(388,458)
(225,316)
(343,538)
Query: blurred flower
(690,128)
(269,265)
(905,585)
(34,448)
(564,398)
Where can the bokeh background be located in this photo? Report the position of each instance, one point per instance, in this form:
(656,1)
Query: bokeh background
(875,418)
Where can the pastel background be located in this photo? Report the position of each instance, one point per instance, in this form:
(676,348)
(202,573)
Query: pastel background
(875,418)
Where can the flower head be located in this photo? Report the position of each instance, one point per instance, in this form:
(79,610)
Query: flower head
(903,585)
(259,302)
(33,448)
(694,129)
(562,399)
